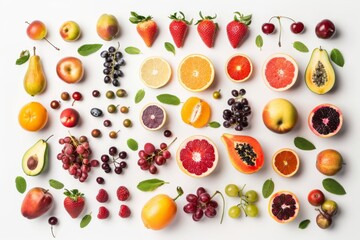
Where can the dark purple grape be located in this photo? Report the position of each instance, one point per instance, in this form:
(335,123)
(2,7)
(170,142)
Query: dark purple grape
(118,170)
(104,158)
(238,128)
(231,101)
(115,83)
(232,120)
(112,49)
(100,180)
(104,54)
(242,92)
(238,105)
(244,124)
(122,155)
(235,93)
(167,133)
(244,101)
(226,117)
(226,124)
(123,164)
(112,151)
(107,79)
(227,112)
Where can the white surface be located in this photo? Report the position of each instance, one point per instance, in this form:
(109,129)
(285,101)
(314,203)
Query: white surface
(15,141)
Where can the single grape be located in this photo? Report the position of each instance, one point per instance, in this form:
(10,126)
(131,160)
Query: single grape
(100,180)
(110,94)
(153,169)
(190,208)
(167,133)
(122,155)
(234,211)
(192,198)
(251,210)
(118,170)
(166,154)
(199,213)
(204,197)
(149,148)
(200,190)
(107,123)
(121,93)
(210,212)
(127,123)
(105,158)
(232,190)
(235,93)
(123,164)
(113,151)
(242,92)
(251,196)
(96,93)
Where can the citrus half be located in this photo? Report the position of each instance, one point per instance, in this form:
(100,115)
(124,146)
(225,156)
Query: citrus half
(153,116)
(155,72)
(286,162)
(196,112)
(239,68)
(283,206)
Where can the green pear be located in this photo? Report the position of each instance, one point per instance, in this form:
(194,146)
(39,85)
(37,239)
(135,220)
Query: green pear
(107,27)
(34,80)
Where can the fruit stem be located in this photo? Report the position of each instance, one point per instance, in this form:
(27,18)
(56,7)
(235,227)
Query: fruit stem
(279,43)
(52,231)
(223,208)
(171,142)
(179,192)
(287,18)
(49,137)
(52,44)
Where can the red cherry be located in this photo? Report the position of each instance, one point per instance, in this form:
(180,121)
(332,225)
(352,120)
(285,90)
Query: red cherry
(297,27)
(55,104)
(77,96)
(325,29)
(268,28)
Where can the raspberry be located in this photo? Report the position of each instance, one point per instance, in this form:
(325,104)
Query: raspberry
(124,211)
(103,213)
(122,193)
(102,196)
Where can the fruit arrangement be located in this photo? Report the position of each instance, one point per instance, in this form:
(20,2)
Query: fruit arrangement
(197,155)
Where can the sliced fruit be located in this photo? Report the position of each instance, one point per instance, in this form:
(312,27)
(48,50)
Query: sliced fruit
(286,162)
(325,120)
(35,159)
(197,156)
(280,72)
(239,68)
(153,116)
(283,206)
(196,72)
(33,116)
(196,112)
(319,74)
(155,72)
(245,152)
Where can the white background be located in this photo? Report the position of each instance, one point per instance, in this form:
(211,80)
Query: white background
(15,141)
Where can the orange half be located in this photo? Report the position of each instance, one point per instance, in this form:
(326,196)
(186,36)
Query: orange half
(239,68)
(286,162)
(196,112)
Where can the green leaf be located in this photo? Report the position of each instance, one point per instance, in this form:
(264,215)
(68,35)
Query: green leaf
(150,184)
(132,144)
(168,99)
(337,57)
(300,46)
(85,220)
(24,56)
(56,184)
(169,47)
(303,144)
(139,95)
(259,41)
(132,50)
(87,49)
(20,183)
(303,224)
(268,188)
(214,124)
(333,186)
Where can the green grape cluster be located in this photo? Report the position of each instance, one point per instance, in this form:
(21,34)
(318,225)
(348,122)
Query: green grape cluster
(246,203)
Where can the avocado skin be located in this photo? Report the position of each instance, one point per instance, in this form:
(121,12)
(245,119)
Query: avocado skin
(40,152)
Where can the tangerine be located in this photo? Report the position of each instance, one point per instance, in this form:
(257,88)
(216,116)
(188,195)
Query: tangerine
(196,112)
(286,162)
(33,116)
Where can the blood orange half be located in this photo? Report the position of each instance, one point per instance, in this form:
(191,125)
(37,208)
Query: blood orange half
(283,206)
(197,156)
(280,72)
(239,68)
(286,162)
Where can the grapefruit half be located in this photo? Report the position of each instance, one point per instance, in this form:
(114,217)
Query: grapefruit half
(153,116)
(239,68)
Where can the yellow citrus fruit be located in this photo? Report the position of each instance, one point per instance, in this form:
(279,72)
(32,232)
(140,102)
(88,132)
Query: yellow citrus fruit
(33,116)
(158,212)
(196,72)
(155,72)
(286,162)
(196,112)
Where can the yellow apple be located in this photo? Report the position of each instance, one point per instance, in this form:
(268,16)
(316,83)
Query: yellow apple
(70,69)
(280,115)
(107,27)
(70,31)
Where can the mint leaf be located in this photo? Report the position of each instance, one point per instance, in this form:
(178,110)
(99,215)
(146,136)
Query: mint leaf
(87,49)
(268,188)
(337,57)
(56,184)
(259,41)
(303,144)
(150,184)
(214,124)
(303,224)
(139,95)
(168,99)
(333,186)
(20,183)
(169,47)
(132,50)
(132,144)
(300,46)
(85,220)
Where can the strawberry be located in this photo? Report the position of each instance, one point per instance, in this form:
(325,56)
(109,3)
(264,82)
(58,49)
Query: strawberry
(179,28)
(237,29)
(102,196)
(122,193)
(207,29)
(103,213)
(74,202)
(124,211)
(145,26)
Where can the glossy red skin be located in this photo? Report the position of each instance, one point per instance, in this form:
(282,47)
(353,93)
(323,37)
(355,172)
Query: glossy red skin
(316,197)
(70,69)
(69,117)
(178,30)
(36,202)
(207,31)
(325,29)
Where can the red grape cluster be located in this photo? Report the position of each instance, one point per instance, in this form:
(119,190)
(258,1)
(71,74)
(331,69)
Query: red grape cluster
(75,157)
(201,204)
(114,158)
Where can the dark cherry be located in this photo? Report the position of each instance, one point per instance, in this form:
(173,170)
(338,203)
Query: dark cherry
(55,104)
(167,133)
(268,28)
(96,93)
(325,29)
(100,180)
(297,27)
(53,220)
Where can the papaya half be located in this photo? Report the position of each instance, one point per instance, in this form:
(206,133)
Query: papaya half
(320,74)
(245,152)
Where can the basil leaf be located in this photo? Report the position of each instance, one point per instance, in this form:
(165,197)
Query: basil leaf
(337,57)
(132,50)
(20,183)
(139,95)
(169,47)
(132,144)
(333,186)
(300,46)
(268,188)
(214,124)
(150,184)
(85,220)
(303,224)
(24,56)
(168,99)
(56,184)
(303,144)
(87,49)
(259,41)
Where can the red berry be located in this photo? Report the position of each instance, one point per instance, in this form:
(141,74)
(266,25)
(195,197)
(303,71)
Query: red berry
(268,28)
(297,27)
(102,196)
(122,193)
(124,211)
(77,96)
(103,213)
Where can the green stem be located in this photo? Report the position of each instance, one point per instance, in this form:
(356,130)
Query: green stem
(49,137)
(223,208)
(179,191)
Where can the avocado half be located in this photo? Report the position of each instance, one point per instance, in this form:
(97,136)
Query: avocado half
(35,159)
(320,74)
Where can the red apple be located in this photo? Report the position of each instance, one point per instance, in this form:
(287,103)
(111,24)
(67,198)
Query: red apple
(70,69)
(36,202)
(70,31)
(316,197)
(69,117)
(36,30)
(280,115)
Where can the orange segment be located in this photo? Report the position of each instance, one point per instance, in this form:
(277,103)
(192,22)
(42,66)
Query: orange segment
(155,72)
(196,72)
(239,68)
(196,112)
(286,162)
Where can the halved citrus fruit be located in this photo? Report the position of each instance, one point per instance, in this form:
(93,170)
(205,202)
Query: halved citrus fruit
(155,72)
(196,72)
(33,116)
(153,116)
(283,206)
(196,112)
(197,156)
(239,68)
(286,162)
(280,72)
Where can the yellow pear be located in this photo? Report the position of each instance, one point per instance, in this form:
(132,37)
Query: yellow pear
(34,80)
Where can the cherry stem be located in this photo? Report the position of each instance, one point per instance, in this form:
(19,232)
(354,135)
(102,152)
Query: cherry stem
(281,17)
(52,231)
(223,208)
(179,192)
(279,43)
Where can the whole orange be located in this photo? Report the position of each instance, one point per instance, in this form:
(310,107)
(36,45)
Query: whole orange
(158,212)
(329,162)
(33,116)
